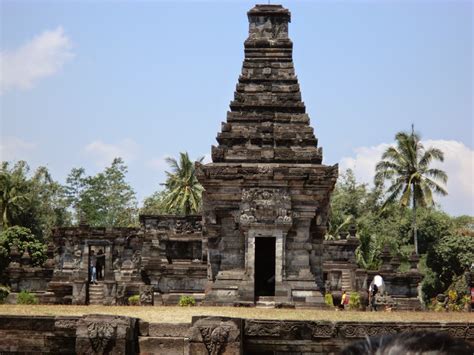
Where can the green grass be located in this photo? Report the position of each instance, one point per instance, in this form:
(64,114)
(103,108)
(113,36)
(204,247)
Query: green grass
(176,314)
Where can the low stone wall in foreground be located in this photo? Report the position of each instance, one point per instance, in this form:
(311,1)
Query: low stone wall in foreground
(107,334)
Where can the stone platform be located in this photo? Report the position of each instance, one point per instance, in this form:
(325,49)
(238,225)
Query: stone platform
(107,334)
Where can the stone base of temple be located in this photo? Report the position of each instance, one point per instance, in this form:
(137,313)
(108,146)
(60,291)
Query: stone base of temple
(235,288)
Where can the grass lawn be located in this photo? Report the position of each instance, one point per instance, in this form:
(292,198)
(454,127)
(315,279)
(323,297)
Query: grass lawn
(175,314)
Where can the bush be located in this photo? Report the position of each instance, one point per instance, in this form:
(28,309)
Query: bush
(134,300)
(354,300)
(187,301)
(25,297)
(329,300)
(4,292)
(24,240)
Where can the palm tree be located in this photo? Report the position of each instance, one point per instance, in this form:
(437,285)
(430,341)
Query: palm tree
(184,191)
(12,191)
(407,167)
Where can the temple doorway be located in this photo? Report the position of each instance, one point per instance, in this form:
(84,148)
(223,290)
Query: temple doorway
(264,266)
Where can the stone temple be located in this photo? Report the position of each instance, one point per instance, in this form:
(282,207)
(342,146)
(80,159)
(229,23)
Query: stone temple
(260,237)
(266,194)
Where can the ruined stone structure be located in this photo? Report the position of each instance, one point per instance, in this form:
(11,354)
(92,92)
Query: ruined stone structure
(266,193)
(265,207)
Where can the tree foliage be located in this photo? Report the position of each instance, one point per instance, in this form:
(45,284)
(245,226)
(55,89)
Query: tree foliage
(448,259)
(407,167)
(24,239)
(34,201)
(154,204)
(182,194)
(104,199)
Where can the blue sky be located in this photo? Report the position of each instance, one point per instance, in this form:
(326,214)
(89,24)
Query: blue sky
(84,81)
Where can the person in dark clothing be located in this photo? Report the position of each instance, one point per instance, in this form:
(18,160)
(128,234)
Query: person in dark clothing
(100,264)
(373,292)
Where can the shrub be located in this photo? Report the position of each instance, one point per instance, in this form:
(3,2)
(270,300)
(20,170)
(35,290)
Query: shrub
(329,300)
(4,292)
(134,300)
(187,301)
(25,297)
(354,300)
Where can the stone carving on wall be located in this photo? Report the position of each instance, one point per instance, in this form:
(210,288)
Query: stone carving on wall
(187,226)
(361,331)
(137,260)
(76,263)
(289,330)
(100,334)
(258,329)
(120,295)
(146,295)
(214,338)
(219,335)
(268,28)
(265,206)
(65,324)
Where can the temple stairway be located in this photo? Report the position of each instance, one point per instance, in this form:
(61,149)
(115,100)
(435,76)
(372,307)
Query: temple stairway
(96,294)
(346,283)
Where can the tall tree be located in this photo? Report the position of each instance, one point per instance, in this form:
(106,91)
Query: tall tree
(13,191)
(412,181)
(34,201)
(184,192)
(105,199)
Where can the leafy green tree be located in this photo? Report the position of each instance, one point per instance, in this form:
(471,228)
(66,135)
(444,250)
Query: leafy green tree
(447,260)
(14,191)
(412,181)
(23,239)
(184,192)
(34,200)
(105,199)
(154,204)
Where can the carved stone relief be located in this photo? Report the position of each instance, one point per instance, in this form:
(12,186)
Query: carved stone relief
(100,334)
(265,206)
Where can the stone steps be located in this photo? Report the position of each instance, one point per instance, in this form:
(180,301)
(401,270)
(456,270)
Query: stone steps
(96,294)
(346,280)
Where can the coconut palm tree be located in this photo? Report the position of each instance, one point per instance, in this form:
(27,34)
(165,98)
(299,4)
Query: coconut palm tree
(12,191)
(407,167)
(184,192)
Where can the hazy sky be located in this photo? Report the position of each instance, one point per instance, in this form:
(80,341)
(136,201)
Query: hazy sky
(83,81)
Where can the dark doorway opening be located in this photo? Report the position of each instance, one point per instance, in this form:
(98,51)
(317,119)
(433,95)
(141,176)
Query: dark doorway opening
(264,266)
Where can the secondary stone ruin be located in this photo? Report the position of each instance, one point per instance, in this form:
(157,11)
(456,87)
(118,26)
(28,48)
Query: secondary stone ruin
(260,237)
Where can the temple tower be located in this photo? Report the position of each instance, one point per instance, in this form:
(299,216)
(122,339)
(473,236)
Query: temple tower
(266,193)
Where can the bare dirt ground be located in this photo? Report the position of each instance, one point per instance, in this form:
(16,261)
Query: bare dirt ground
(175,314)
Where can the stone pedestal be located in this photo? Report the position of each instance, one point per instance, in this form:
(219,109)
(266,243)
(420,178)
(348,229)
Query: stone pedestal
(216,336)
(103,334)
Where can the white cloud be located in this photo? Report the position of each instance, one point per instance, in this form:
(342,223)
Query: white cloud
(38,58)
(158,164)
(14,148)
(458,164)
(103,153)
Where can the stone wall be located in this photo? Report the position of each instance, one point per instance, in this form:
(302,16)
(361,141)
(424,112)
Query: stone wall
(105,334)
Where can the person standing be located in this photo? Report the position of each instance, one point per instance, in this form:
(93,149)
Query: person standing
(344,300)
(93,270)
(100,264)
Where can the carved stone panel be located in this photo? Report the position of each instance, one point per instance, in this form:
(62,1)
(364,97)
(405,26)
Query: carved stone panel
(219,335)
(265,206)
